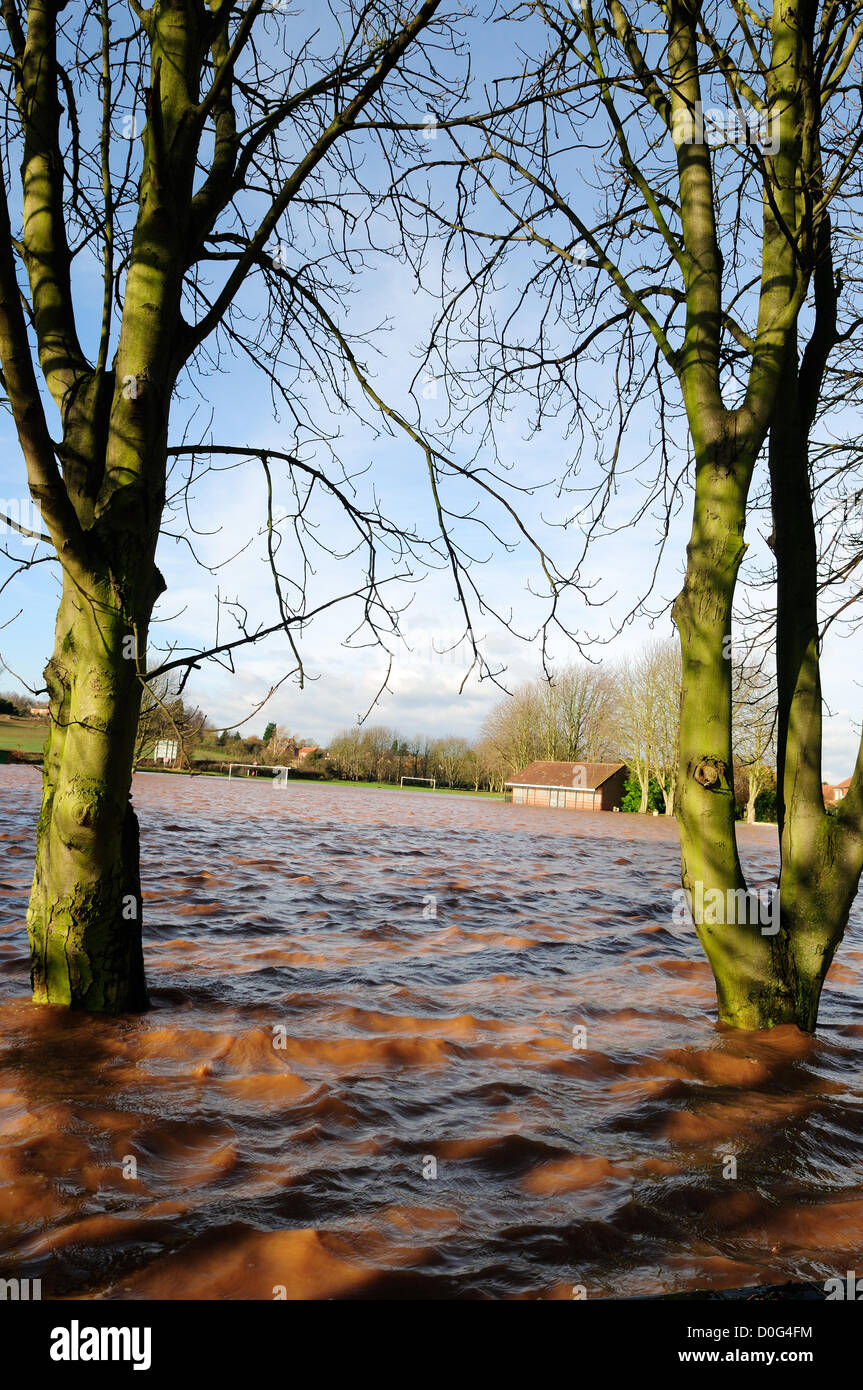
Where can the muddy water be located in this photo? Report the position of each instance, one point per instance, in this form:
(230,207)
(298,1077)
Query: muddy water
(425,1126)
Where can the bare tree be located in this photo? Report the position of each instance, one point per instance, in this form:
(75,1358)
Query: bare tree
(451,757)
(511,728)
(165,715)
(585,697)
(664,666)
(570,716)
(755,729)
(346,753)
(720,194)
(636,722)
(232,166)
(649,718)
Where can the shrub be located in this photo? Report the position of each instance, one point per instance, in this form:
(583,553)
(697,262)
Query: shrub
(631,799)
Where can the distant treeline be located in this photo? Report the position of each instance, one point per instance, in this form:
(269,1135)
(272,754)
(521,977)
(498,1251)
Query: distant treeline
(628,712)
(14,704)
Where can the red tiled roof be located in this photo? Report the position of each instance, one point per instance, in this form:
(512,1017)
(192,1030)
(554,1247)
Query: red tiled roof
(588,776)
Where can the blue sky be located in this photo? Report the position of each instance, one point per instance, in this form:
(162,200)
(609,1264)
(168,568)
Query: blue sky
(423,688)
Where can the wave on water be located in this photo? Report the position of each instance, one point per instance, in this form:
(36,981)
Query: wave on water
(364,1073)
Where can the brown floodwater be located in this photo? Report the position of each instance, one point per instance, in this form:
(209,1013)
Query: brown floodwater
(358,1076)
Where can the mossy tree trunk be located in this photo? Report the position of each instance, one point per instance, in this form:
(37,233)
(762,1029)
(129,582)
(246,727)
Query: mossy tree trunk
(103,513)
(85,910)
(764,976)
(821,853)
(748,966)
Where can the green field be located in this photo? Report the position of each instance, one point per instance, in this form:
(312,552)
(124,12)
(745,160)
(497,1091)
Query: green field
(394,787)
(28,736)
(377,786)
(23,735)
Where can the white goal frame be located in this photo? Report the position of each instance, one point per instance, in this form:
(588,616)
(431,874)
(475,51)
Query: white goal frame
(402,781)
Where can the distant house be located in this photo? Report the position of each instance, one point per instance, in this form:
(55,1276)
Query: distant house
(570,786)
(834,792)
(40,711)
(307,752)
(283,749)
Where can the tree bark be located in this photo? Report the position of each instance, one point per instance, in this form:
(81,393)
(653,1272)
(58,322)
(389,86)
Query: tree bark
(750,989)
(821,855)
(763,976)
(767,972)
(85,916)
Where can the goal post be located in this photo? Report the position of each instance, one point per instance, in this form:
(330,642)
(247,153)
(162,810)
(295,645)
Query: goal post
(253,769)
(430,781)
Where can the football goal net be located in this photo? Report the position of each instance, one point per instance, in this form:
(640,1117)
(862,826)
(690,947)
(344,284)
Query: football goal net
(429,781)
(255,770)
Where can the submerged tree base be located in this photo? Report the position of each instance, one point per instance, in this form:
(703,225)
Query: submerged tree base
(763,981)
(86,947)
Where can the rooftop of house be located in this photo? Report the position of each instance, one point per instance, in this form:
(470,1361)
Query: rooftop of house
(582,776)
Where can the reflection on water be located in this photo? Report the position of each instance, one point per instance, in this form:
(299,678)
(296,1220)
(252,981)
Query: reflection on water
(424,1125)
